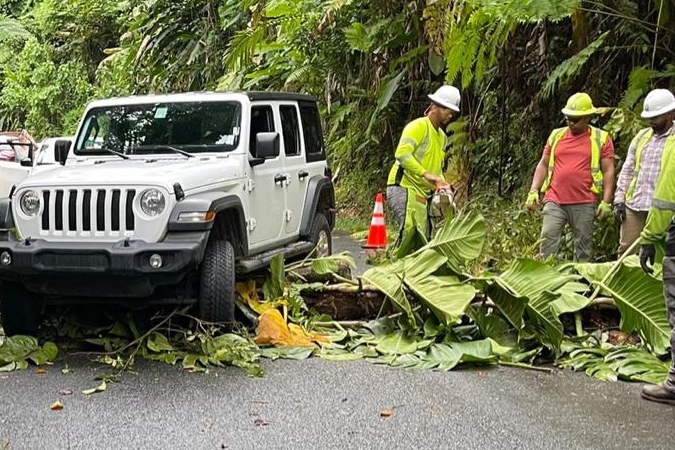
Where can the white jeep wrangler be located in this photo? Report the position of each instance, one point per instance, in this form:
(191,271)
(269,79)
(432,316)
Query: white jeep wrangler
(164,199)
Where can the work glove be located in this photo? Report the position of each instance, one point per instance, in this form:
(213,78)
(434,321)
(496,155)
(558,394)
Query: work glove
(604,210)
(647,254)
(620,211)
(532,200)
(442,186)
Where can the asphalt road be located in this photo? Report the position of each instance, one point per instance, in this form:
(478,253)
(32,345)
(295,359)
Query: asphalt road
(317,404)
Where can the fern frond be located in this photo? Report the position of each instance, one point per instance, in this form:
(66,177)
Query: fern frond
(638,84)
(297,74)
(571,66)
(12,29)
(526,11)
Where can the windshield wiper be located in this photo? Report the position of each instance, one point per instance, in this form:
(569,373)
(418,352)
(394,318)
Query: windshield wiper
(169,147)
(113,152)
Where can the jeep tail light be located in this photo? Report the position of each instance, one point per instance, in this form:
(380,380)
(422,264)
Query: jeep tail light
(328,173)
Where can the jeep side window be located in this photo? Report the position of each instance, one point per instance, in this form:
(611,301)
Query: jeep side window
(311,130)
(290,129)
(262,121)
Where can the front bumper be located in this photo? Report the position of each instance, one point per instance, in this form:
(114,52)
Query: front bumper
(103,269)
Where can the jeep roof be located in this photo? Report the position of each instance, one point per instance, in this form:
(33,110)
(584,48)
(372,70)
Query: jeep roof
(201,96)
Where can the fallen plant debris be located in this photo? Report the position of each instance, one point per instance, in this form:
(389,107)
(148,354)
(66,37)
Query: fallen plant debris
(432,310)
(17,351)
(56,406)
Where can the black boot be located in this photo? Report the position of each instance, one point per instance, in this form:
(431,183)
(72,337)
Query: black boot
(658,394)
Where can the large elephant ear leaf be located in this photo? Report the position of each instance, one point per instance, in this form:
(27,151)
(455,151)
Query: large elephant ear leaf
(459,240)
(386,280)
(445,296)
(639,298)
(570,299)
(531,285)
(509,303)
(544,320)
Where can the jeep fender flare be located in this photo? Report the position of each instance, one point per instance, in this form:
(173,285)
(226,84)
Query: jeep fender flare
(317,188)
(6,218)
(217,202)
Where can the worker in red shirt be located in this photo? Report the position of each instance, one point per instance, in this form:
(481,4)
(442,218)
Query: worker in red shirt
(575,171)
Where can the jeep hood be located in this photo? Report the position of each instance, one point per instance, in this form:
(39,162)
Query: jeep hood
(190,173)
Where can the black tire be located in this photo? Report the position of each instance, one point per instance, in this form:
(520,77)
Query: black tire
(320,235)
(216,283)
(19,309)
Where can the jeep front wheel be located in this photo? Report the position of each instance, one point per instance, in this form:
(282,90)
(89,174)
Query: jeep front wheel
(216,284)
(320,235)
(18,309)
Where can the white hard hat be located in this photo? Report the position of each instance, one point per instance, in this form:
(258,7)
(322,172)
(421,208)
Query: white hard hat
(447,97)
(658,102)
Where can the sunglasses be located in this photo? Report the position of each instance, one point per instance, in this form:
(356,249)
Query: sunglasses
(573,119)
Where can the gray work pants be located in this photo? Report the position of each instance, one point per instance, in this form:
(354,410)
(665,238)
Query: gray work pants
(397,199)
(580,218)
(669,296)
(630,230)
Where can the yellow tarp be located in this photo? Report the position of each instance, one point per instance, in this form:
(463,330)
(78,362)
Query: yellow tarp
(273,329)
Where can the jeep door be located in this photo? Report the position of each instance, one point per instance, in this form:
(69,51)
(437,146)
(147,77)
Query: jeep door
(305,156)
(266,196)
(294,166)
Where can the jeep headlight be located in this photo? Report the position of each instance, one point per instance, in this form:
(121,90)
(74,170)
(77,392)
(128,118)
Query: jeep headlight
(153,202)
(30,203)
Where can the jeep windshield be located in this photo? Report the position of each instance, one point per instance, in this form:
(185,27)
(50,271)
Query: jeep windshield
(151,128)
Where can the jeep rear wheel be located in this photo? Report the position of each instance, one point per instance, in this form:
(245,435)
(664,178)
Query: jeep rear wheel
(320,235)
(18,309)
(216,285)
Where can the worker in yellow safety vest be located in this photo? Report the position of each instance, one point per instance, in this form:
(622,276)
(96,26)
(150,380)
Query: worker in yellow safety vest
(577,167)
(418,169)
(635,186)
(660,224)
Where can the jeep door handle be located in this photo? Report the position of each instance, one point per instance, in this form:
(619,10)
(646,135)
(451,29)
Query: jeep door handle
(302,175)
(280,178)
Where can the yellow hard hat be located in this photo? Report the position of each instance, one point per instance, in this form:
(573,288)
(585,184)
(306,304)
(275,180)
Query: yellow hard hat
(579,104)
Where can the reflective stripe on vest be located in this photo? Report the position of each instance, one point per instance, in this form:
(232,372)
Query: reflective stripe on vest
(668,149)
(598,139)
(421,151)
(641,140)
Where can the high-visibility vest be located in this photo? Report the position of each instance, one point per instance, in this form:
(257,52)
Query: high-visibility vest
(598,139)
(640,141)
(429,154)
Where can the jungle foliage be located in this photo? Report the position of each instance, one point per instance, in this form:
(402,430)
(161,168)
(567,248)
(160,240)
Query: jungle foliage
(371,66)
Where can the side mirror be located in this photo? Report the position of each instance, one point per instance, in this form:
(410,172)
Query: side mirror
(266,147)
(27,162)
(61,148)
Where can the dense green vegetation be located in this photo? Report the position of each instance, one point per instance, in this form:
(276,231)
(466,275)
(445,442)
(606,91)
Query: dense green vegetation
(370,65)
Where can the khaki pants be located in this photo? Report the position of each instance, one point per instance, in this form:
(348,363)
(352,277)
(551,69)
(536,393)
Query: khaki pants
(580,218)
(630,230)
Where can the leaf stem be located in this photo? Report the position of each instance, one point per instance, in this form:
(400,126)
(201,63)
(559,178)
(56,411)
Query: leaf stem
(525,366)
(613,269)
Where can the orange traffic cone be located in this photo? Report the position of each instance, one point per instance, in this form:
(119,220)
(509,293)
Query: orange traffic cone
(377,234)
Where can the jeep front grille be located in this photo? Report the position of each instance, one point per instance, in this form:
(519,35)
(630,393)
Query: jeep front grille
(106,212)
